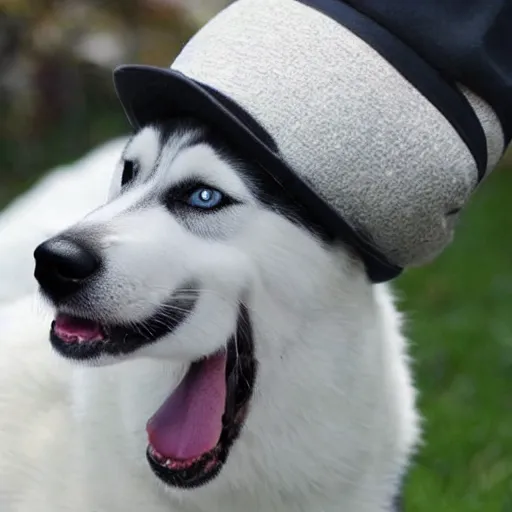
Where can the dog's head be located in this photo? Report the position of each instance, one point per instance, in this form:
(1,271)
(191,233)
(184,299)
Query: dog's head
(201,257)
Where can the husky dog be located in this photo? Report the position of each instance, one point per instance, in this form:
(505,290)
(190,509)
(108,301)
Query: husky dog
(212,350)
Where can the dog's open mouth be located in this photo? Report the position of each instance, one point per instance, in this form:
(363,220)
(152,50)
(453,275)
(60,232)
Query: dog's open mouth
(190,436)
(70,329)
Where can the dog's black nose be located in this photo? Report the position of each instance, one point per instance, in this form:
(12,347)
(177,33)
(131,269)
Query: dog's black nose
(62,266)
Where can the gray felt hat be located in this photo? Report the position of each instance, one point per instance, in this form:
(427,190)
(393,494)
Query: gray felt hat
(362,130)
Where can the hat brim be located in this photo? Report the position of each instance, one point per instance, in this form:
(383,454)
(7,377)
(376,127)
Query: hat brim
(151,94)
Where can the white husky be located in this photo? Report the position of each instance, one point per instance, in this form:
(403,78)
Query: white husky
(210,351)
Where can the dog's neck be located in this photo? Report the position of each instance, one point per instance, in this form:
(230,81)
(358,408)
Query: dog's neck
(332,419)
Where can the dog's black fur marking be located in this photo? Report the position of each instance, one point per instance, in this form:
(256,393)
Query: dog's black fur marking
(262,185)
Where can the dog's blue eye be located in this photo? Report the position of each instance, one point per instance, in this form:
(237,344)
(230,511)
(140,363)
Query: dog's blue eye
(205,198)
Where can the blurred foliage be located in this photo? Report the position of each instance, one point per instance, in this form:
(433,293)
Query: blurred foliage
(56,60)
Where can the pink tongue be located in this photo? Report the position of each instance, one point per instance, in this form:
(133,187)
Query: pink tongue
(69,328)
(189,423)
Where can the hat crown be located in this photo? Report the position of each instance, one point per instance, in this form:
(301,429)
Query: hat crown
(347,122)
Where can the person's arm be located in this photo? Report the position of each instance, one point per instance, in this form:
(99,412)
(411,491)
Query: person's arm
(468,41)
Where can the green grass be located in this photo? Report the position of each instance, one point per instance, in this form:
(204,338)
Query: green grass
(460,326)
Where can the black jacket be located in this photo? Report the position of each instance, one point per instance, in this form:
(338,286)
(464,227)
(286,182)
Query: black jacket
(469,41)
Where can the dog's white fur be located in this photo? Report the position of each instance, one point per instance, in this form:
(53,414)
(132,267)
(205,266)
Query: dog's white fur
(333,421)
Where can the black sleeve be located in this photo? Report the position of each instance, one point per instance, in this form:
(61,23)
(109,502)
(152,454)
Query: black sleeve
(468,41)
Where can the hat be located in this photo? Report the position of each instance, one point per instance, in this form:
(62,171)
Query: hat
(382,147)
